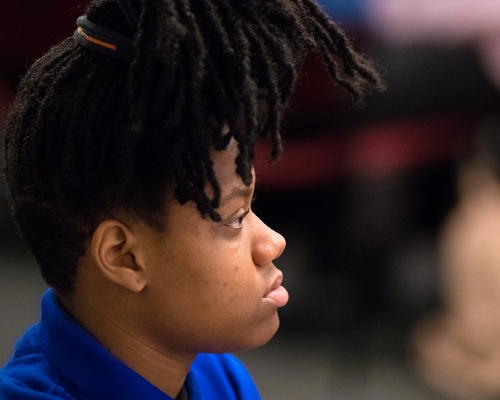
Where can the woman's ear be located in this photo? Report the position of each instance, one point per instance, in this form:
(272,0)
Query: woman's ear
(113,251)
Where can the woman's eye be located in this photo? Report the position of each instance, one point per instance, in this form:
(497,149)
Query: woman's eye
(238,223)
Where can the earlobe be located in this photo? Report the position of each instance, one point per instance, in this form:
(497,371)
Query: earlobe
(113,252)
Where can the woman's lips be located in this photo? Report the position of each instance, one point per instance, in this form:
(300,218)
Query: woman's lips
(278,295)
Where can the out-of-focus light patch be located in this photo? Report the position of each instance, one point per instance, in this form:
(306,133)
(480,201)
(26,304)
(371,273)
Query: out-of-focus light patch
(448,22)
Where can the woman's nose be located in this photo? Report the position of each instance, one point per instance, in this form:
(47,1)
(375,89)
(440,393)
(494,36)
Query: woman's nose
(268,245)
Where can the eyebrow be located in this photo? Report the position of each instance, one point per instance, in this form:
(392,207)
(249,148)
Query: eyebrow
(237,192)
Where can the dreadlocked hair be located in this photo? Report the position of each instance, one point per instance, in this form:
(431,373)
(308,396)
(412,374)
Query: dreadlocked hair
(90,135)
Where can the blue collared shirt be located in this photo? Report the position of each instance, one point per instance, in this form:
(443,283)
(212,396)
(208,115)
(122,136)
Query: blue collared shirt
(57,359)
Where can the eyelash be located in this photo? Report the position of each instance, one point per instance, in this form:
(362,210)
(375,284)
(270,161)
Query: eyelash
(239,221)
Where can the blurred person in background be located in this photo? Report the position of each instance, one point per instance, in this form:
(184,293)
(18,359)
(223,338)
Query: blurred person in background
(457,349)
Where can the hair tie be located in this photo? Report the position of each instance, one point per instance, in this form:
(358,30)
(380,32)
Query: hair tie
(106,41)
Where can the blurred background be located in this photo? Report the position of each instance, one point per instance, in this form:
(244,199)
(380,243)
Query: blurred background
(391,210)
